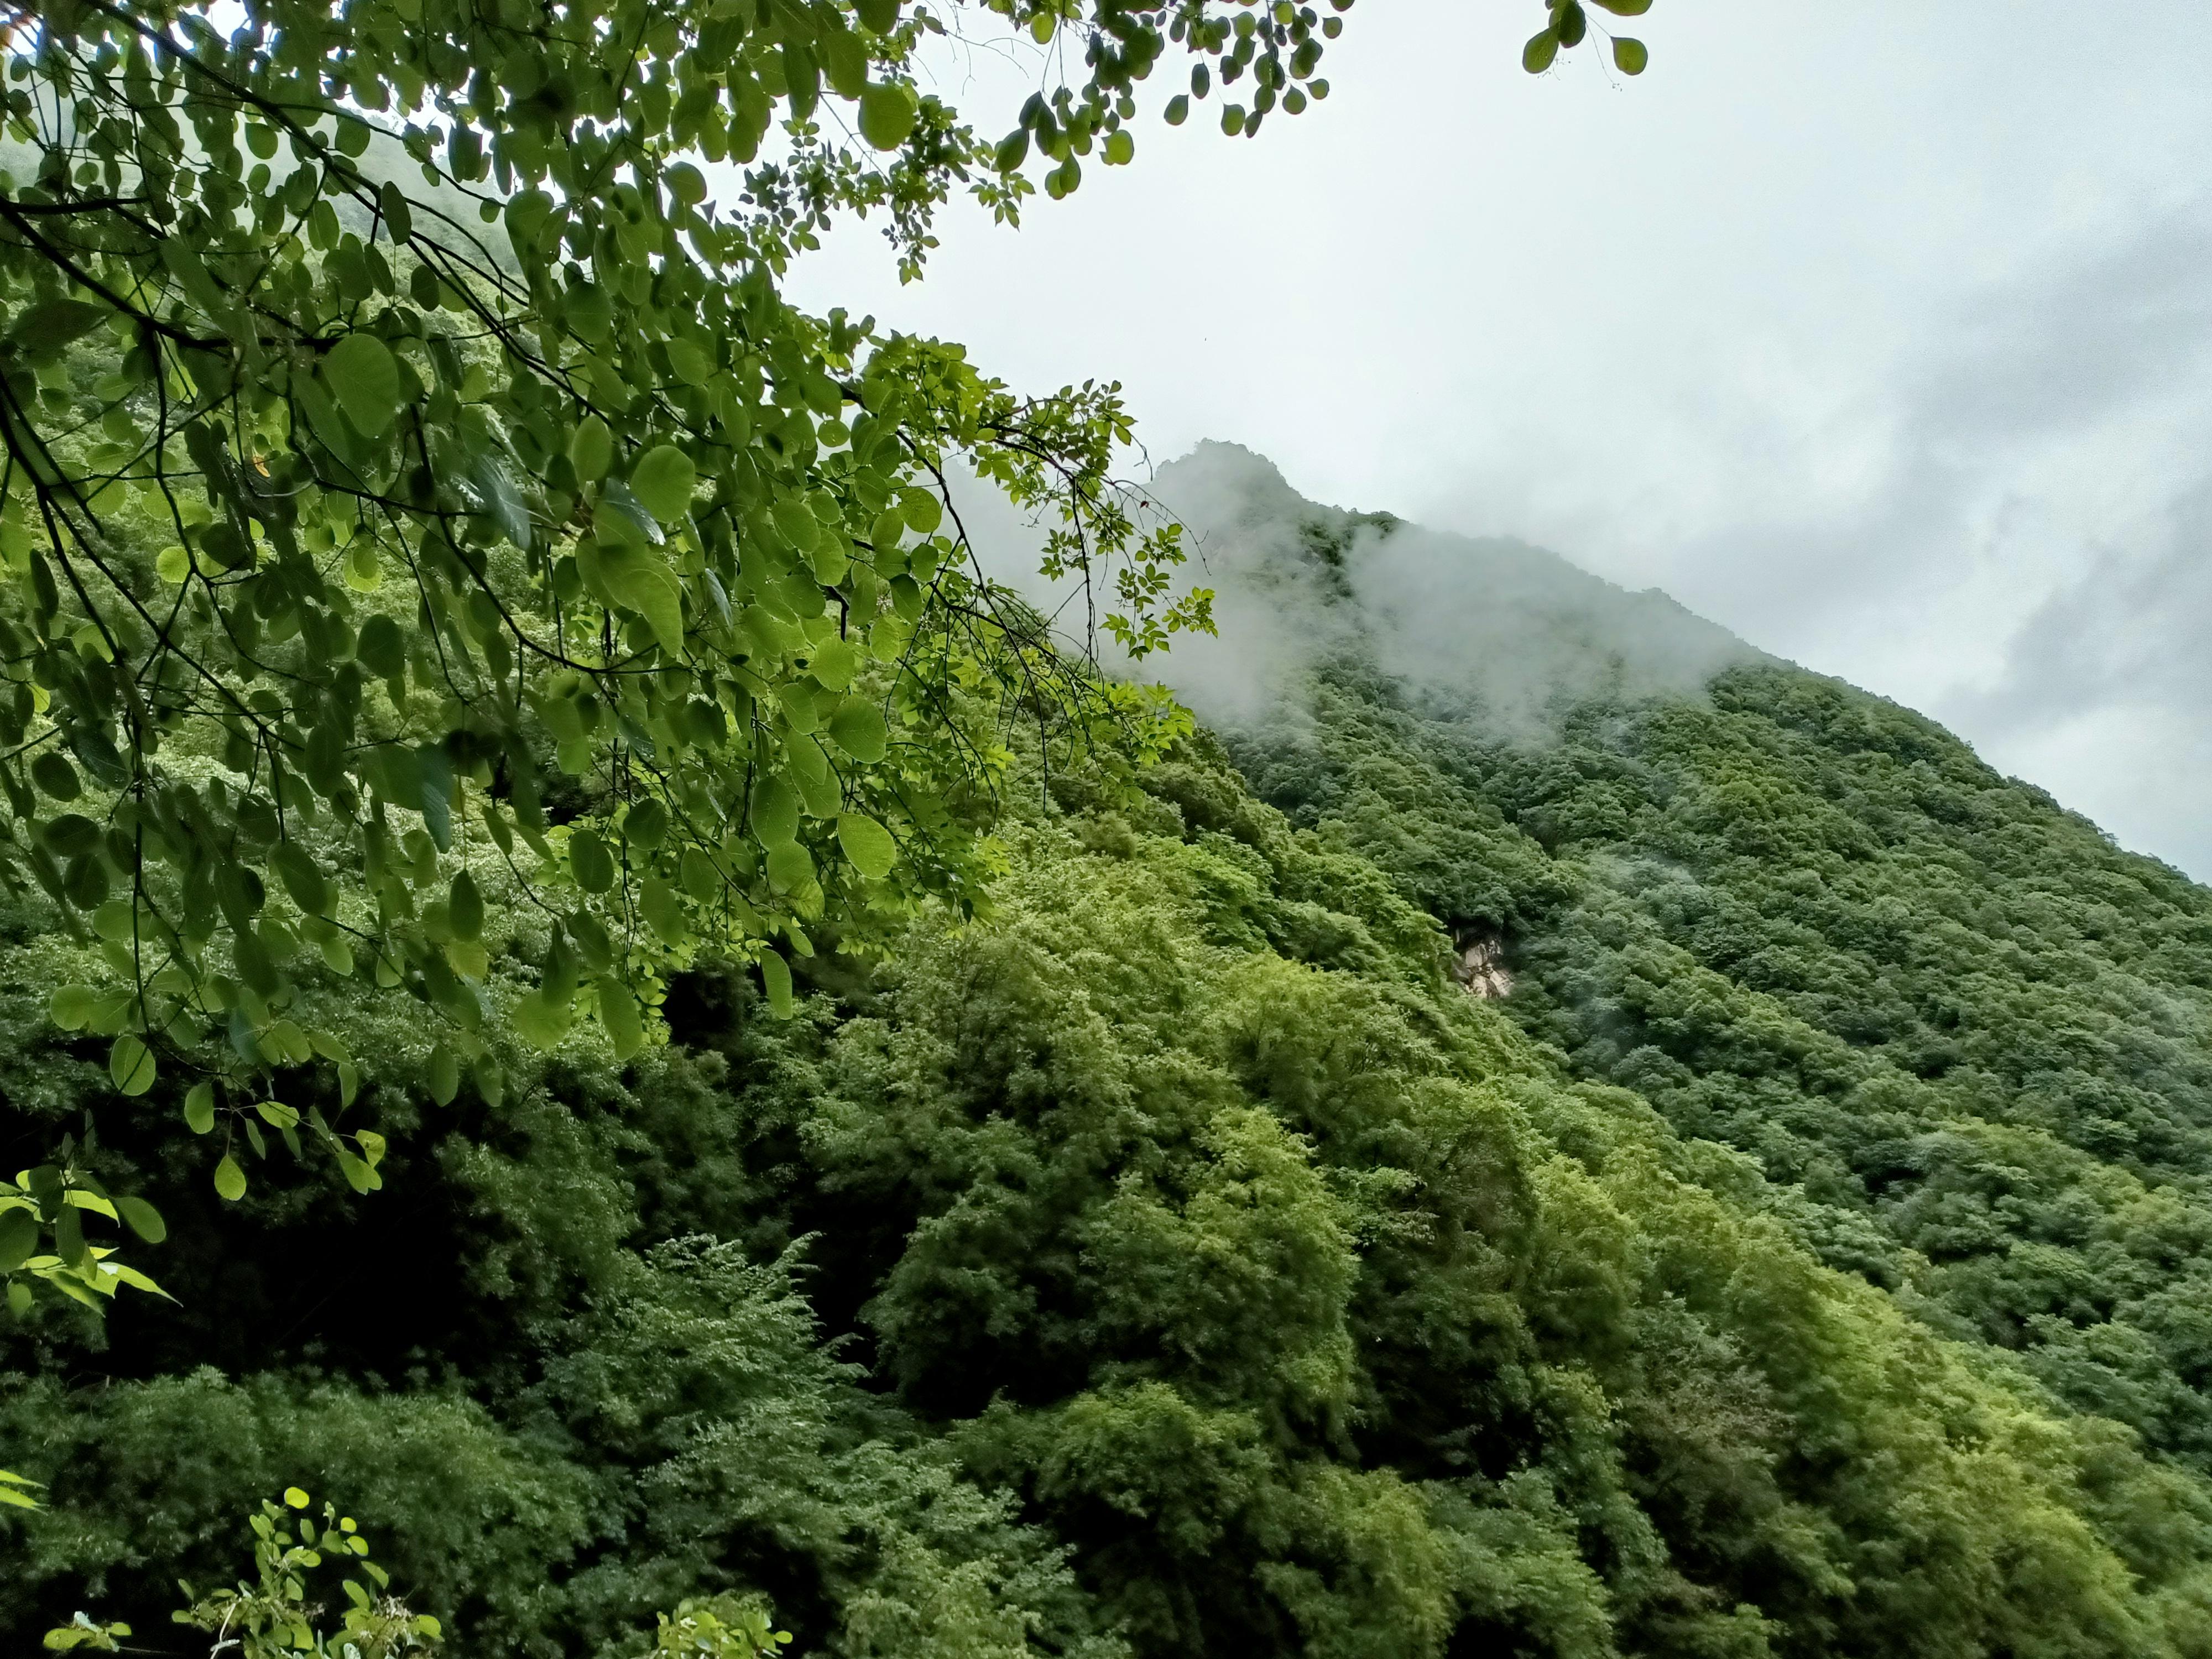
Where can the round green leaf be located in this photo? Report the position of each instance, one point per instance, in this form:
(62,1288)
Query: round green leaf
(1543,47)
(922,510)
(868,844)
(19,1238)
(618,1013)
(776,811)
(302,877)
(664,912)
(142,1219)
(664,480)
(73,1007)
(700,879)
(645,824)
(229,1180)
(53,773)
(444,1078)
(199,1109)
(541,1019)
(382,647)
(834,663)
(1630,55)
(131,1065)
(686,184)
(364,377)
(464,906)
(776,980)
(797,523)
(858,728)
(887,116)
(790,866)
(591,449)
(590,862)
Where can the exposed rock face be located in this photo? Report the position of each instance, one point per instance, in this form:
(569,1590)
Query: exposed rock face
(1480,965)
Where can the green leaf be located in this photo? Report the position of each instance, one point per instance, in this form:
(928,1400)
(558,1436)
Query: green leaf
(443,1077)
(922,510)
(776,811)
(184,263)
(73,1007)
(589,862)
(700,879)
(834,663)
(229,1179)
(382,649)
(19,1238)
(664,912)
(199,1108)
(1543,47)
(398,221)
(776,980)
(364,377)
(53,773)
(501,501)
(47,327)
(131,1065)
(879,16)
(303,880)
(142,1219)
(887,115)
(790,866)
(591,449)
(358,1174)
(1178,109)
(868,844)
(622,521)
(618,1013)
(465,907)
(295,1497)
(543,1019)
(798,523)
(646,824)
(858,728)
(642,581)
(1628,56)
(663,480)
(844,59)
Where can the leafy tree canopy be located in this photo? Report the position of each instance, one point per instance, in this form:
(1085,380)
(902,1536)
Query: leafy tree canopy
(412,468)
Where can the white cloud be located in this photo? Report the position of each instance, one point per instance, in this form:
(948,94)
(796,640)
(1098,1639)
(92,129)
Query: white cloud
(1876,333)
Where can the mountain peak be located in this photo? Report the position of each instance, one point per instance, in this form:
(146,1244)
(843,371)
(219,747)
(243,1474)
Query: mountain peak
(1510,633)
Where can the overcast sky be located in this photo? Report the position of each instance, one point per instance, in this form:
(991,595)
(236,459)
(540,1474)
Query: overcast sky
(1881,333)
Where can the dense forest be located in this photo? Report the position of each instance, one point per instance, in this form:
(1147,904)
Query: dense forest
(1538,1131)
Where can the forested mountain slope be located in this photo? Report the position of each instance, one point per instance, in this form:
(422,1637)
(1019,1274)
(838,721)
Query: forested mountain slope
(1801,1260)
(1968,1031)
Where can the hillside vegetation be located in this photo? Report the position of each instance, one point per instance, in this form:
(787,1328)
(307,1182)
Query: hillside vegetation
(1803,1259)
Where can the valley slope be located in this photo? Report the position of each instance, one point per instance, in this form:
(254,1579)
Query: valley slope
(1805,1257)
